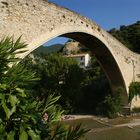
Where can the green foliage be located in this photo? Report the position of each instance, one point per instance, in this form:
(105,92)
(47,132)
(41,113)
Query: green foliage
(94,89)
(111,105)
(45,50)
(134,90)
(60,75)
(81,90)
(23,116)
(8,53)
(129,36)
(73,130)
(136,110)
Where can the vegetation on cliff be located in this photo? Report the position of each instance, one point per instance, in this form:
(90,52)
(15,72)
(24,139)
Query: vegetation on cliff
(128,35)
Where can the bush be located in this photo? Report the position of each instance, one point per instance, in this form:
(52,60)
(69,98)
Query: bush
(111,105)
(22,116)
(60,75)
(134,90)
(136,110)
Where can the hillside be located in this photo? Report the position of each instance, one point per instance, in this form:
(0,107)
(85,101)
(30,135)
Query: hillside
(68,48)
(49,49)
(128,35)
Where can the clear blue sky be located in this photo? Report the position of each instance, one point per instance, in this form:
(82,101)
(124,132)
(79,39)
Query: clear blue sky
(107,13)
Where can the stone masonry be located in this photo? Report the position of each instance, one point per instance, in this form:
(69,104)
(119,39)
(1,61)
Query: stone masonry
(39,21)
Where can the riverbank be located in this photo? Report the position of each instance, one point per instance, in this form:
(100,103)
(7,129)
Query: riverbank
(75,117)
(119,121)
(121,128)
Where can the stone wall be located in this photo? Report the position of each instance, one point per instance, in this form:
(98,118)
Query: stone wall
(39,21)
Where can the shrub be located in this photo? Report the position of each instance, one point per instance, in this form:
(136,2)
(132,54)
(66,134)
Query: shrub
(136,110)
(22,116)
(134,90)
(111,105)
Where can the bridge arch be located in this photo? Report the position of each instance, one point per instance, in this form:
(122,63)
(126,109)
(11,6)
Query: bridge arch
(39,21)
(103,55)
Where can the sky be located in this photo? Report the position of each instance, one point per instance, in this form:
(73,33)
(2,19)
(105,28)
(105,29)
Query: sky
(106,13)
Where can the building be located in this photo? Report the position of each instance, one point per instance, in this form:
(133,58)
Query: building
(82,59)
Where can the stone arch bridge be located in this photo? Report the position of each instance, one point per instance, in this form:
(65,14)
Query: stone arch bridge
(39,21)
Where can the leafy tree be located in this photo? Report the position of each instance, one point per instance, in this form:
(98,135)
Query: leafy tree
(60,75)
(81,90)
(95,88)
(22,116)
(134,90)
(128,35)
(111,105)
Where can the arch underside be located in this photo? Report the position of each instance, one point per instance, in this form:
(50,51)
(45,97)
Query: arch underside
(41,22)
(105,59)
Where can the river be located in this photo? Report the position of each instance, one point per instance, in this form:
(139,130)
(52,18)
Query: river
(123,128)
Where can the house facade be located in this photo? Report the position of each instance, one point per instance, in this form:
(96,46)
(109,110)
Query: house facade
(83,60)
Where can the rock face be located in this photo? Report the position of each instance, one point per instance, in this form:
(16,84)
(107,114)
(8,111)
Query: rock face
(39,21)
(72,48)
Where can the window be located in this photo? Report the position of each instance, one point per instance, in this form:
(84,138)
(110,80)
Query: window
(82,58)
(81,63)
